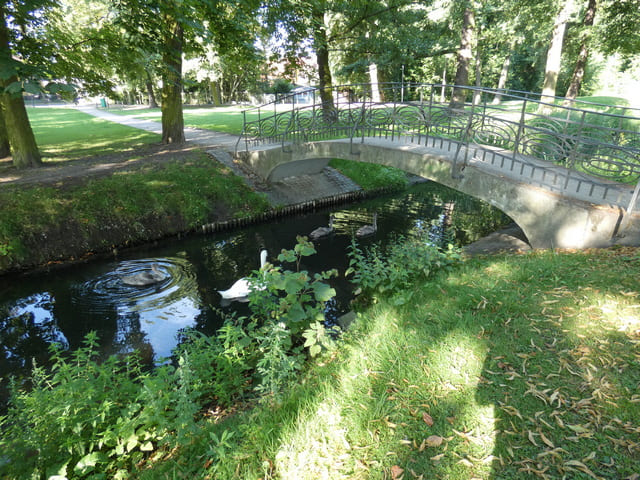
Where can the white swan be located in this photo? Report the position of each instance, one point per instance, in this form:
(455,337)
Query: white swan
(368,229)
(322,231)
(241,288)
(144,278)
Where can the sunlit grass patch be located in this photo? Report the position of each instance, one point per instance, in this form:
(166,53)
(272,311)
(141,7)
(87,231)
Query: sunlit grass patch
(507,367)
(66,134)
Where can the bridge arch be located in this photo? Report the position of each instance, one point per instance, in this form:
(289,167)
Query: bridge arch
(548,219)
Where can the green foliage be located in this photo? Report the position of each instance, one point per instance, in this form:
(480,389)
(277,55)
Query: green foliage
(290,310)
(405,261)
(86,419)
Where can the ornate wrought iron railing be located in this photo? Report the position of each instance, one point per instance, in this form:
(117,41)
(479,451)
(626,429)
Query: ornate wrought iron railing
(601,140)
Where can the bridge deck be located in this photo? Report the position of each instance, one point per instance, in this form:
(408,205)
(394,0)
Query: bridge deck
(520,168)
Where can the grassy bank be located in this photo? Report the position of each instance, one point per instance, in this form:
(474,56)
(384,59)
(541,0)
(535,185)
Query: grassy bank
(500,367)
(44,223)
(507,367)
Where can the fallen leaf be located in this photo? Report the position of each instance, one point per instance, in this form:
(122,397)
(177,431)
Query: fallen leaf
(580,466)
(546,441)
(531,438)
(434,441)
(427,419)
(437,457)
(578,428)
(396,472)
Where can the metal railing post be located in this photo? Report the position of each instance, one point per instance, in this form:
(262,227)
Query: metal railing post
(634,198)
(523,115)
(244,128)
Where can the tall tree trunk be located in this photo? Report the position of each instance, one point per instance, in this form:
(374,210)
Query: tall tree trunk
(23,143)
(477,95)
(215,93)
(18,129)
(554,54)
(375,83)
(464,58)
(150,92)
(504,72)
(325,82)
(5,150)
(583,55)
(444,80)
(172,119)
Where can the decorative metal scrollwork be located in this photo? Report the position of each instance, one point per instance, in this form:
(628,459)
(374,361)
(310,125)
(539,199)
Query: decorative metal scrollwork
(599,143)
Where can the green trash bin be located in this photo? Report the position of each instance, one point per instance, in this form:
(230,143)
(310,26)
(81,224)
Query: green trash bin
(103,102)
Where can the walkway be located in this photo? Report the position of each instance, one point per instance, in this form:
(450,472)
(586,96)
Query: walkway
(287,191)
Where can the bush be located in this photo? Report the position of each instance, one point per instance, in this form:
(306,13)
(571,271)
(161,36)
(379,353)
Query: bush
(91,419)
(393,271)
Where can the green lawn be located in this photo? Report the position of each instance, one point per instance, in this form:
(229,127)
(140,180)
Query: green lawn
(221,119)
(67,134)
(507,367)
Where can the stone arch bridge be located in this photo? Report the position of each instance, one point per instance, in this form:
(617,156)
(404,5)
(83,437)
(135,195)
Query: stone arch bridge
(557,174)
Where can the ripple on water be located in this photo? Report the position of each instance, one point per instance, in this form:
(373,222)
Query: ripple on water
(103,292)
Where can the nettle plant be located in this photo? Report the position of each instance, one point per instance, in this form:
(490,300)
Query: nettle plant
(288,308)
(392,271)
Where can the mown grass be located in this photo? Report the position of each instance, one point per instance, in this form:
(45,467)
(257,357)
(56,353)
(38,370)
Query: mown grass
(507,367)
(67,134)
(228,119)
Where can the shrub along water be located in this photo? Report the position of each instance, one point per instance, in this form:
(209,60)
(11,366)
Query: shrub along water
(84,419)
(496,367)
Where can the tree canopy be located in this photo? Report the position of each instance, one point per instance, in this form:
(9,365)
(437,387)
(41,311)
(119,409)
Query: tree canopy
(219,51)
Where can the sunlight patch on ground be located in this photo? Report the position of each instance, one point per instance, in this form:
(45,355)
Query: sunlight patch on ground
(317,449)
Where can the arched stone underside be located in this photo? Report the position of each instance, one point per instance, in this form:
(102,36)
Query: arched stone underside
(549,219)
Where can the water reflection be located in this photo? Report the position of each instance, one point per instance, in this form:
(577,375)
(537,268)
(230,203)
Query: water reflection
(29,328)
(148,317)
(62,306)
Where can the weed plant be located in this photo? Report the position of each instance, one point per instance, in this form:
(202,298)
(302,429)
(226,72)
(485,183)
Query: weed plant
(85,419)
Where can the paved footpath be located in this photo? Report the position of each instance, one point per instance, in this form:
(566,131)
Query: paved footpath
(206,138)
(289,191)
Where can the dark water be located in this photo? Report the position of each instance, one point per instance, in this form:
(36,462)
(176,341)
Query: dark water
(65,304)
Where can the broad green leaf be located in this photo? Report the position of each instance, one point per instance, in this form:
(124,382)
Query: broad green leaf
(32,88)
(146,447)
(296,313)
(86,463)
(323,292)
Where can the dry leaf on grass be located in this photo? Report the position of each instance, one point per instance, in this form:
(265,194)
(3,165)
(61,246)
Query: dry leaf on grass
(396,472)
(427,419)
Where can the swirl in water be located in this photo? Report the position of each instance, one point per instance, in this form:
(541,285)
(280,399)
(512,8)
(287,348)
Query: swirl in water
(148,317)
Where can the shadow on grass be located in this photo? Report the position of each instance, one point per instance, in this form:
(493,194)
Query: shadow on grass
(508,368)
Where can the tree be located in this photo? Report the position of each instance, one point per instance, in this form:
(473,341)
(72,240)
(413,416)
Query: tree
(5,148)
(298,22)
(619,30)
(175,28)
(554,53)
(15,76)
(583,54)
(172,117)
(464,56)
